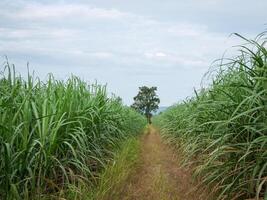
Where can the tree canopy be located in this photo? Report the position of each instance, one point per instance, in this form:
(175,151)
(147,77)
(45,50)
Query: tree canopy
(146,101)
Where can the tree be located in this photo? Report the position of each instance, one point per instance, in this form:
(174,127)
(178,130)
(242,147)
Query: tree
(146,101)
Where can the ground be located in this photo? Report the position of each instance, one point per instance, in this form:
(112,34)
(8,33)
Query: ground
(160,175)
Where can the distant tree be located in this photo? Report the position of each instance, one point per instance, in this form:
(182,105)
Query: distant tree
(146,101)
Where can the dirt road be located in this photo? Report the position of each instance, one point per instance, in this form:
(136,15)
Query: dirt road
(159,175)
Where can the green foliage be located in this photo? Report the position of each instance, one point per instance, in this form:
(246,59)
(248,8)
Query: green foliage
(55,134)
(112,180)
(146,101)
(225,126)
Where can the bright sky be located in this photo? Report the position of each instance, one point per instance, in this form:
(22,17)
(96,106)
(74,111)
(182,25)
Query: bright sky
(126,43)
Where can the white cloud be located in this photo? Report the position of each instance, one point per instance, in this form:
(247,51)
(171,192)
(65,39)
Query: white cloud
(63,11)
(160,54)
(187,30)
(155,55)
(37,32)
(102,55)
(122,45)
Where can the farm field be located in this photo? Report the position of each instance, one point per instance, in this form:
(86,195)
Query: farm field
(222,129)
(133,100)
(69,140)
(57,136)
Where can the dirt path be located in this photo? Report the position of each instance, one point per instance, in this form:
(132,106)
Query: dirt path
(159,176)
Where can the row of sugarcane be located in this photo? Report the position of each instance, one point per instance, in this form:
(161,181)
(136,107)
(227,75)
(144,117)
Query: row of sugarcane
(222,130)
(55,134)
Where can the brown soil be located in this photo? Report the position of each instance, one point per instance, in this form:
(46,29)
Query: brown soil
(160,175)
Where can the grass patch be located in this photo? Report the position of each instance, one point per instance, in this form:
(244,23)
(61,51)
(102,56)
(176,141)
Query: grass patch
(111,181)
(117,172)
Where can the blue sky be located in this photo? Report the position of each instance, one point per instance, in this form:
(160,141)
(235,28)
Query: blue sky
(126,44)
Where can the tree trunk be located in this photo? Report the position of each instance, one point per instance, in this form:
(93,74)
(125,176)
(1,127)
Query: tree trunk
(148,116)
(149,120)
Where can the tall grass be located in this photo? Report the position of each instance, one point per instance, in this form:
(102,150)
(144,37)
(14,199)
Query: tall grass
(113,179)
(54,134)
(224,128)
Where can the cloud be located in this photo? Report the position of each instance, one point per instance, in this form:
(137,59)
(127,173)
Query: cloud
(124,43)
(187,30)
(38,32)
(155,54)
(160,54)
(59,11)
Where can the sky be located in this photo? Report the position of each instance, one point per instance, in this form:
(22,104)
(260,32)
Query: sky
(170,44)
